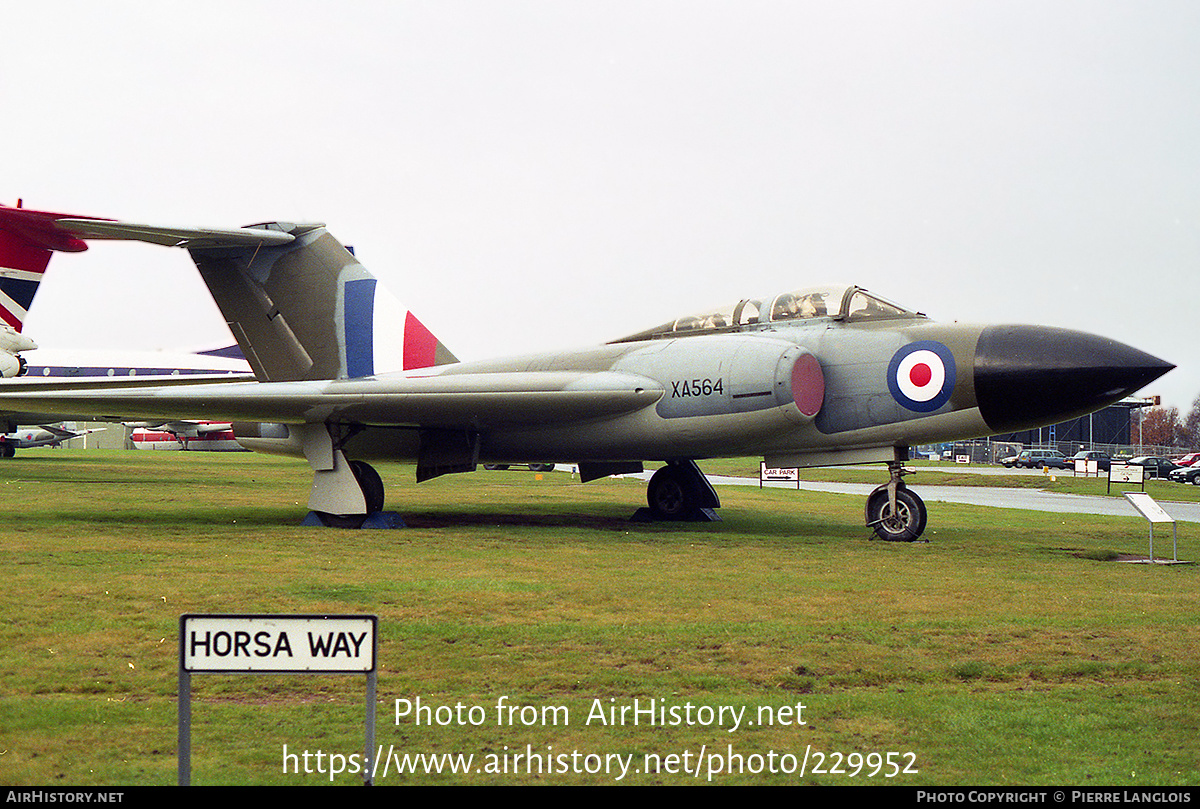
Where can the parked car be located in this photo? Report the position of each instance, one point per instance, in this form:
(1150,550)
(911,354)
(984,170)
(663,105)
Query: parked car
(1036,459)
(1188,460)
(1155,466)
(1102,459)
(1186,474)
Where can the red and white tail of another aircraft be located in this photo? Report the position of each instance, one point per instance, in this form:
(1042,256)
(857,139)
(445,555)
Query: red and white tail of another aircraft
(26,242)
(205,436)
(28,239)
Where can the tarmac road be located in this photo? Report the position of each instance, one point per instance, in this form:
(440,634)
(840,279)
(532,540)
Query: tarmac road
(993,496)
(1029,499)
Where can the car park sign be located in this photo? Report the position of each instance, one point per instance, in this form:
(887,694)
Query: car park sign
(1126,473)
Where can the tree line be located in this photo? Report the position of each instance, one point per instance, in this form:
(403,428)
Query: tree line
(1165,427)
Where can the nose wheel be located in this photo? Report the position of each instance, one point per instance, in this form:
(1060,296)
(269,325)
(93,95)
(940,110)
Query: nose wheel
(894,512)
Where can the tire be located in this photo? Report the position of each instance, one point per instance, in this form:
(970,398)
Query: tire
(671,495)
(1195,481)
(906,525)
(370,483)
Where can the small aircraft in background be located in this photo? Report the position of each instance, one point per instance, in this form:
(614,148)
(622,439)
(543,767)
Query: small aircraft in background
(46,435)
(809,377)
(197,436)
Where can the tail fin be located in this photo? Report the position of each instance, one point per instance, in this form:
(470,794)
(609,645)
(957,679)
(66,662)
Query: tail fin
(27,238)
(298,303)
(309,310)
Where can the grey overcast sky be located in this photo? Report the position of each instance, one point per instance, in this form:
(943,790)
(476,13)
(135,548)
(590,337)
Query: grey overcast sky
(531,174)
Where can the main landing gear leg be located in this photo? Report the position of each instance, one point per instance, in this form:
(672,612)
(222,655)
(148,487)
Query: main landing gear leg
(680,492)
(894,512)
(345,494)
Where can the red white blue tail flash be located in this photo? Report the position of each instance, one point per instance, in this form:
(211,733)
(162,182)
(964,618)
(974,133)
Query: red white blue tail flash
(381,335)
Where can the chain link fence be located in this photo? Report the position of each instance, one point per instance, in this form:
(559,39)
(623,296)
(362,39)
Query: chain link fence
(984,450)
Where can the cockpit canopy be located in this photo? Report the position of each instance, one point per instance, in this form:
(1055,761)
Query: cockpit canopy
(851,304)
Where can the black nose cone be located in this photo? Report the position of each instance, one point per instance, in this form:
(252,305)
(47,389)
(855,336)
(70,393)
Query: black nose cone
(1030,376)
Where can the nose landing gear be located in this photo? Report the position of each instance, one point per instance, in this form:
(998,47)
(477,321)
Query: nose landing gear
(893,512)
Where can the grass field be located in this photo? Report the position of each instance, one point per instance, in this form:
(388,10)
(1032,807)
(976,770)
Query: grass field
(1005,651)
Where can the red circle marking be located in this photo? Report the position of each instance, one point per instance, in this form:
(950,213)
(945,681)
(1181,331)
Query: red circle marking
(920,375)
(808,384)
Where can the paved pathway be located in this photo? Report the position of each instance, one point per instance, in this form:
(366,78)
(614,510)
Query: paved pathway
(1030,499)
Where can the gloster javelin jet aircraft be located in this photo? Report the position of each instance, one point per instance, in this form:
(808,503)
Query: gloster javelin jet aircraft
(813,377)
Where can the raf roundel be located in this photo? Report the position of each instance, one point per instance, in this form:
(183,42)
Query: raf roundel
(921,376)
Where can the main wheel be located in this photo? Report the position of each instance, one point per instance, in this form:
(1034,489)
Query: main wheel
(671,495)
(905,525)
(370,483)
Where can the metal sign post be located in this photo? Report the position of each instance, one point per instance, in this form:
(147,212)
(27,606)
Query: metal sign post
(1153,512)
(274,644)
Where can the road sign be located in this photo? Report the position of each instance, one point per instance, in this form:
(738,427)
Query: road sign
(274,644)
(318,644)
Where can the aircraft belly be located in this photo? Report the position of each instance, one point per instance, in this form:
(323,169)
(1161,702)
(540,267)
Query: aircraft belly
(644,435)
(368,444)
(949,426)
